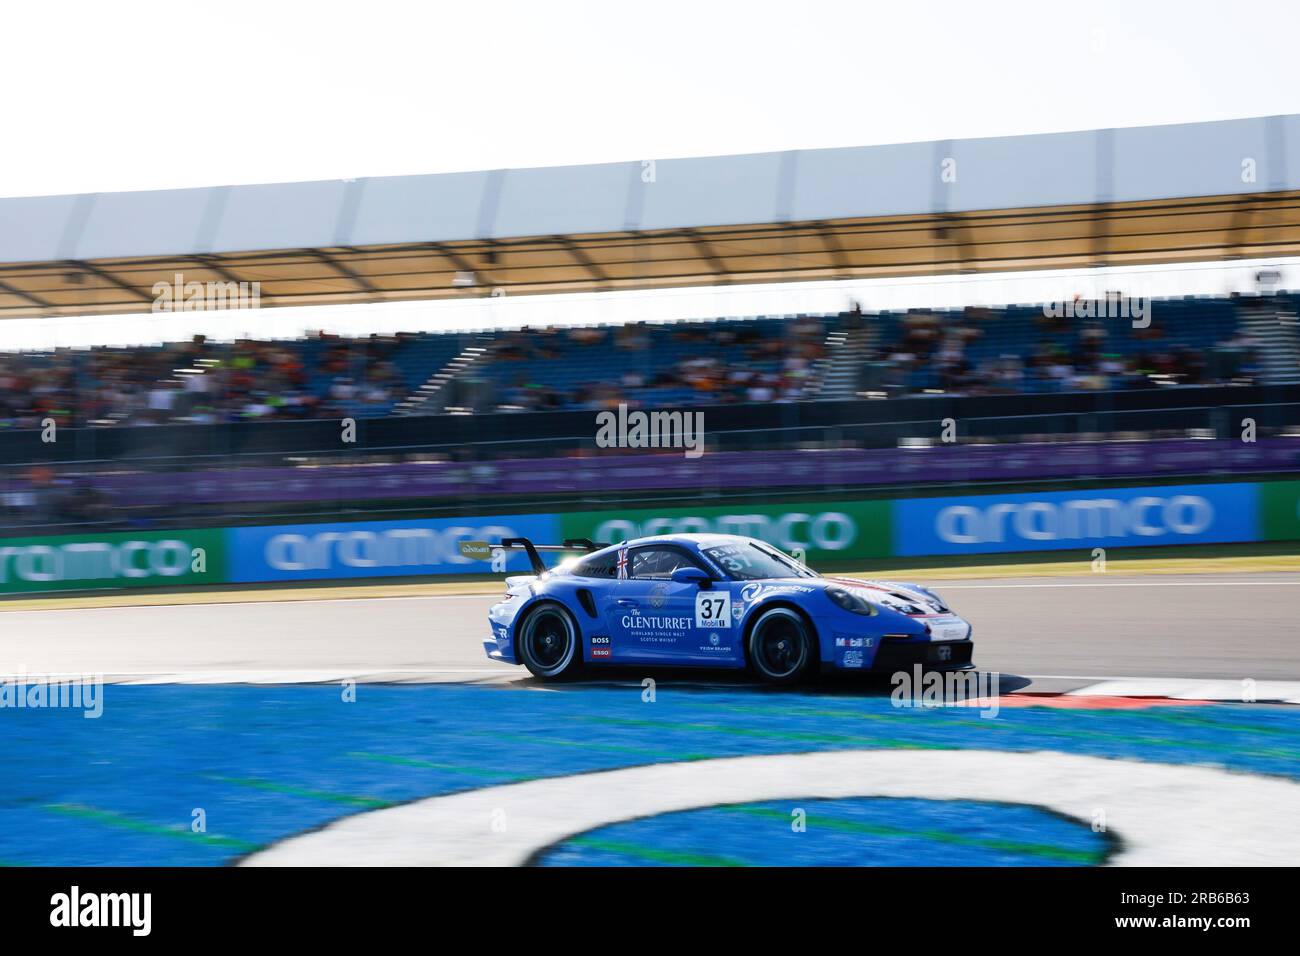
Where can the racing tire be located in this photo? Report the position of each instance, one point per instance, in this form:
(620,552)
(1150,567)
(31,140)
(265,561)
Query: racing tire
(780,646)
(548,642)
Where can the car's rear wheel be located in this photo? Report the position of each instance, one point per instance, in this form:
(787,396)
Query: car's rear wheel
(781,646)
(548,642)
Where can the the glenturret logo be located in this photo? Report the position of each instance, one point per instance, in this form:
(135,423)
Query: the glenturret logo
(181,296)
(651,430)
(75,908)
(21,691)
(478,550)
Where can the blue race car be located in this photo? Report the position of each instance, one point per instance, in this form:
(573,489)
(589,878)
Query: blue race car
(714,600)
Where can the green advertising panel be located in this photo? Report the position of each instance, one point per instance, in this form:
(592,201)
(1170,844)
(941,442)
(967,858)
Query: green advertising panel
(824,530)
(1279,510)
(112,560)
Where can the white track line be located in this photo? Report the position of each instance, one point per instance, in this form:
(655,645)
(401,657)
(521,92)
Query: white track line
(316,676)
(941,585)
(1179,688)
(1163,815)
(1241,691)
(214,604)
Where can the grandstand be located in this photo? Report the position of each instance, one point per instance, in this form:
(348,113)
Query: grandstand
(975,351)
(1063,200)
(1101,198)
(251,424)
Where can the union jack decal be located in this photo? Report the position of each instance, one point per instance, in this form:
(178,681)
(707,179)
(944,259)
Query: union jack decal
(622,563)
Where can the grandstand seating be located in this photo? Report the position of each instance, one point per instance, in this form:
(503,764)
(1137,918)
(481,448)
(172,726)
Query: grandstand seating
(977,351)
(676,363)
(1176,348)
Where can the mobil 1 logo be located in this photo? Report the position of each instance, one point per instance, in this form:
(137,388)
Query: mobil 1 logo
(713,609)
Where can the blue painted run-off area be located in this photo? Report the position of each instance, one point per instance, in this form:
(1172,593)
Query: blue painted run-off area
(857,832)
(264,763)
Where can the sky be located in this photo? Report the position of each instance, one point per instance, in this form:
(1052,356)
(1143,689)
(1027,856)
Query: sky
(151,95)
(154,95)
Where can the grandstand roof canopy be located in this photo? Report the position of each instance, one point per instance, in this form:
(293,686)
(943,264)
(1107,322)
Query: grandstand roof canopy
(1105,197)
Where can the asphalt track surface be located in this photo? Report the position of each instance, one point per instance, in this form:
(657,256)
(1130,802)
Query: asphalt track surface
(1222,626)
(288,767)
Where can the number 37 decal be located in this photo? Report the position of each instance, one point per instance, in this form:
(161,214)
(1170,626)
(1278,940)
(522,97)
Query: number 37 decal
(713,609)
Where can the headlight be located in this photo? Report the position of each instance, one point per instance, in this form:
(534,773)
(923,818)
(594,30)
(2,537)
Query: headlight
(850,601)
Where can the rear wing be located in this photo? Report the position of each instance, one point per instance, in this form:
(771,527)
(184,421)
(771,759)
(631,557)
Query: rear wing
(584,545)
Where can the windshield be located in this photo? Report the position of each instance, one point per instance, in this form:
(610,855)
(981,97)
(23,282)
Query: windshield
(750,561)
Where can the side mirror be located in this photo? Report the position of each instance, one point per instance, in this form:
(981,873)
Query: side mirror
(693,576)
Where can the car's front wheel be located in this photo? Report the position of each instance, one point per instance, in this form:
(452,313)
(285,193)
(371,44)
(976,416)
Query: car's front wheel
(548,642)
(781,646)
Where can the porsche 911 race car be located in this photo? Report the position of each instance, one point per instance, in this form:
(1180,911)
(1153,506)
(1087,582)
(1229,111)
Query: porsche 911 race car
(714,601)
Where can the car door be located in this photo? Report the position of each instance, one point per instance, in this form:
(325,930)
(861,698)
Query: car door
(654,619)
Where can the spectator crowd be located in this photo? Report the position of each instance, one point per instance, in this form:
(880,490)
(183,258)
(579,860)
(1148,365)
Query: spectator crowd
(972,352)
(200,382)
(980,352)
(766,360)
